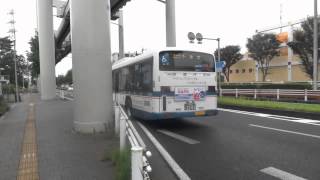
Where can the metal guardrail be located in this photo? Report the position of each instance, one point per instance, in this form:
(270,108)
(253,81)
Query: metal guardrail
(140,166)
(305,95)
(65,94)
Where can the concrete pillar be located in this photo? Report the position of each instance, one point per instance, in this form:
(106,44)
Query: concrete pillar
(121,39)
(170,23)
(290,53)
(46,48)
(91,61)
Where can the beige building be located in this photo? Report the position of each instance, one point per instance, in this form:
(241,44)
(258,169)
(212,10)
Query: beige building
(246,70)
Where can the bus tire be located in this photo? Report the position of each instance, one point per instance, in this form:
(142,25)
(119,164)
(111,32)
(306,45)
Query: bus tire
(128,108)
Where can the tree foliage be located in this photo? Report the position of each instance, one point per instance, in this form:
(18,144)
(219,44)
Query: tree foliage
(66,79)
(263,48)
(303,45)
(33,56)
(231,55)
(7,61)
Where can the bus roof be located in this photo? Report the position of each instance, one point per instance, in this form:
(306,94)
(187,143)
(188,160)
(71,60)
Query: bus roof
(149,53)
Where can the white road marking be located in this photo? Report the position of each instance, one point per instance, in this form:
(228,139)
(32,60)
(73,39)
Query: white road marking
(172,163)
(280,174)
(270,116)
(286,131)
(179,137)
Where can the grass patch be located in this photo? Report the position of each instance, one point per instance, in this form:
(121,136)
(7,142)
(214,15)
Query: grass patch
(242,102)
(122,162)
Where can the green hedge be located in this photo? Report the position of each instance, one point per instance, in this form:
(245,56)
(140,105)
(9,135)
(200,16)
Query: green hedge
(266,86)
(242,102)
(3,106)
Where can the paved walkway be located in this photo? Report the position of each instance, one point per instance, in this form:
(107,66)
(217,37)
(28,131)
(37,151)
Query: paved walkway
(62,154)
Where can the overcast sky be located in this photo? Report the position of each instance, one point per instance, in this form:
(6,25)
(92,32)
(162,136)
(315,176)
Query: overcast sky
(144,22)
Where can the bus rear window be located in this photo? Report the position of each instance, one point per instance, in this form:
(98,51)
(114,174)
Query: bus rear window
(186,61)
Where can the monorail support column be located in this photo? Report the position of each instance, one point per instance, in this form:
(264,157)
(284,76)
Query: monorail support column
(170,23)
(91,61)
(46,45)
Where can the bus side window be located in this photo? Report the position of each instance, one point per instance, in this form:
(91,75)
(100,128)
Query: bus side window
(146,69)
(137,78)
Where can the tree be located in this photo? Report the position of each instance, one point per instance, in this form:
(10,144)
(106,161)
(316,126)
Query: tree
(303,45)
(263,48)
(231,55)
(33,56)
(7,61)
(68,77)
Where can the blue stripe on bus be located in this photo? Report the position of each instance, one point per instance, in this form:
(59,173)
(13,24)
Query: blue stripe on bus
(159,94)
(167,115)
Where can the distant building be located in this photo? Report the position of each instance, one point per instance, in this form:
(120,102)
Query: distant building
(246,69)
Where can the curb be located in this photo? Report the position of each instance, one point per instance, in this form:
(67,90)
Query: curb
(297,114)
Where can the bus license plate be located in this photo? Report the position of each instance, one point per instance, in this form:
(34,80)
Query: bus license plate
(200,113)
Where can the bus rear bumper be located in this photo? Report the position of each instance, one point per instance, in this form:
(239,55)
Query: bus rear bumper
(170,115)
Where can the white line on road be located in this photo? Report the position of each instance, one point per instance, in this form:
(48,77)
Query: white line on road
(179,137)
(172,163)
(270,116)
(286,131)
(280,174)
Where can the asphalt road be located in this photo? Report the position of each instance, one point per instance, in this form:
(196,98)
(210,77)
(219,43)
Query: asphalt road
(241,146)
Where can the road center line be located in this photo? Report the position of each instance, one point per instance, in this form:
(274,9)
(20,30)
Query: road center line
(286,131)
(280,174)
(179,137)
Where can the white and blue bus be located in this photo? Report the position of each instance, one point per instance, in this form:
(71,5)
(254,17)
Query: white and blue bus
(166,83)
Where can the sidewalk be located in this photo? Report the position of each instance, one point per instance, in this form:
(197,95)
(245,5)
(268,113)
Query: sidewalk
(62,153)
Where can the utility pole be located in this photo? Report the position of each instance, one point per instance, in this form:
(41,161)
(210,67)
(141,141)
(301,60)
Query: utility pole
(315,47)
(13,32)
(121,39)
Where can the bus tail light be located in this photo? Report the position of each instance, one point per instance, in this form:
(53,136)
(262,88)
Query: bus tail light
(165,89)
(211,89)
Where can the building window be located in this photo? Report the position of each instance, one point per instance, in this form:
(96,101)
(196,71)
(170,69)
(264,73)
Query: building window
(250,70)
(230,71)
(237,71)
(243,70)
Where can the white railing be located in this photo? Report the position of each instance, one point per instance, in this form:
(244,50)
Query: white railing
(140,166)
(305,95)
(65,94)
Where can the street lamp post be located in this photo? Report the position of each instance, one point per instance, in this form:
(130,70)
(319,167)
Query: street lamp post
(199,37)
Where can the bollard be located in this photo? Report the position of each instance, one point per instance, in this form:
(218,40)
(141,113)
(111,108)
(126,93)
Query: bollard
(117,120)
(136,163)
(305,95)
(122,133)
(62,94)
(236,92)
(220,93)
(278,94)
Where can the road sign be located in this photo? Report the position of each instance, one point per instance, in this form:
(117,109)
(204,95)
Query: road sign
(199,37)
(220,65)
(191,36)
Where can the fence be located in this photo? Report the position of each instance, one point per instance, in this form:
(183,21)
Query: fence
(140,166)
(278,94)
